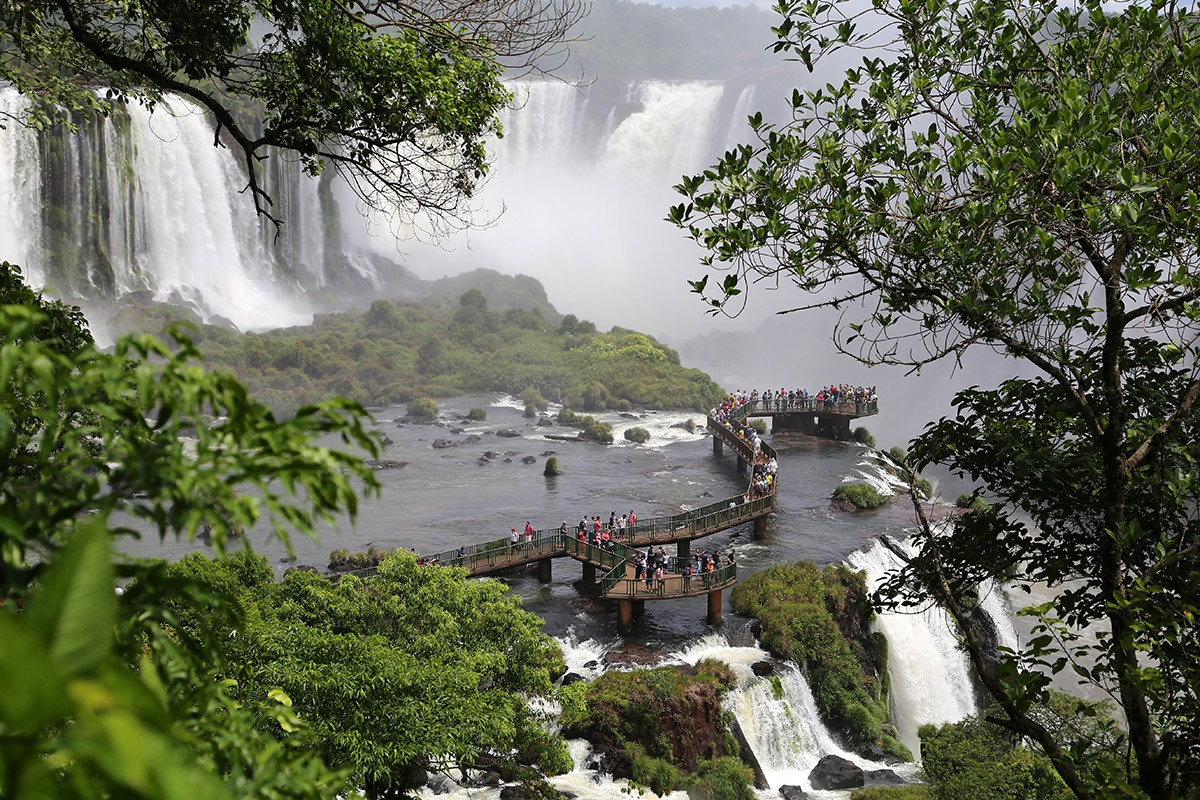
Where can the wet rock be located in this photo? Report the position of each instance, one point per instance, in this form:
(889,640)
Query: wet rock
(529,460)
(549,453)
(385,463)
(442,444)
(706,494)
(883,777)
(572,677)
(762,668)
(387,440)
(491,454)
(512,453)
(792,793)
(508,461)
(545,422)
(456,431)
(441,784)
(509,433)
(835,772)
(483,460)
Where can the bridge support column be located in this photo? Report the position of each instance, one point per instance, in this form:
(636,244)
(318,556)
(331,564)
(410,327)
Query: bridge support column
(714,607)
(718,448)
(741,464)
(683,553)
(639,607)
(544,569)
(589,574)
(760,527)
(624,617)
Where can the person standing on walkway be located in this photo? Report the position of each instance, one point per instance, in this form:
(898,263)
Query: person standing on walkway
(660,578)
(512,541)
(528,536)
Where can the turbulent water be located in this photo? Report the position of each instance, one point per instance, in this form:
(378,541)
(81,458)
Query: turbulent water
(444,497)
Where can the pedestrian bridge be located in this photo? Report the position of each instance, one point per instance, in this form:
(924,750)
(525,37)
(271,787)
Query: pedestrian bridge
(615,563)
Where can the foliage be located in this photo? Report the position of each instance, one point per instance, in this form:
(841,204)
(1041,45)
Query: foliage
(759,425)
(863,436)
(818,618)
(636,711)
(657,775)
(567,417)
(914,792)
(551,467)
(924,488)
(862,496)
(447,349)
(477,415)
(422,408)
(637,434)
(594,430)
(312,82)
(457,658)
(1020,179)
(108,696)
(724,778)
(976,759)
(972,502)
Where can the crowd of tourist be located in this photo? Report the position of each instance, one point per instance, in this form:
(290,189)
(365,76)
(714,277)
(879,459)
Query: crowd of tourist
(835,397)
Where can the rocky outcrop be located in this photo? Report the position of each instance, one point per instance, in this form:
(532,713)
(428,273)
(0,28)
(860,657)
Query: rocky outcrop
(442,444)
(792,793)
(385,463)
(835,772)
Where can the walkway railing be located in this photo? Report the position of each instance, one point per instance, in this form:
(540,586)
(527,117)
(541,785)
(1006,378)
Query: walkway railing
(863,409)
(620,553)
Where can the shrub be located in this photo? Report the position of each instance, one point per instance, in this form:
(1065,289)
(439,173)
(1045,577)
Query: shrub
(724,778)
(551,467)
(860,495)
(899,454)
(976,759)
(572,698)
(596,431)
(690,425)
(924,488)
(423,407)
(972,502)
(477,415)
(637,434)
(530,411)
(915,792)
(567,416)
(532,397)
(655,774)
(863,436)
(759,425)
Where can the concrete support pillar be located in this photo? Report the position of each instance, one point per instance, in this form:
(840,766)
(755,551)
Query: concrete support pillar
(589,574)
(714,607)
(639,608)
(718,447)
(760,527)
(624,617)
(683,553)
(741,464)
(544,569)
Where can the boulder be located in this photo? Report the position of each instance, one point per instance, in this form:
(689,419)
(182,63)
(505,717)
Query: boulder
(440,784)
(529,460)
(545,422)
(509,434)
(572,677)
(442,444)
(385,463)
(387,440)
(762,668)
(883,777)
(792,793)
(835,772)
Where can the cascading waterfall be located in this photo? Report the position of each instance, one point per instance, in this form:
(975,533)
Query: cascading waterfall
(142,202)
(669,136)
(20,190)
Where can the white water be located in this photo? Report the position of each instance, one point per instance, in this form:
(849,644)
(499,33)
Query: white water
(168,210)
(20,190)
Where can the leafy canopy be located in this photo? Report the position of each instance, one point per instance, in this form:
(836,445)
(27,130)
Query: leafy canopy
(398,97)
(1019,178)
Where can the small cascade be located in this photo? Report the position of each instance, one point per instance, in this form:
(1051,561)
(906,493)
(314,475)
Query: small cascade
(541,125)
(780,720)
(930,676)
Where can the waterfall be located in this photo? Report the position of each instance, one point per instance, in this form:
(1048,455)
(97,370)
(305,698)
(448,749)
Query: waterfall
(669,135)
(141,202)
(20,190)
(930,675)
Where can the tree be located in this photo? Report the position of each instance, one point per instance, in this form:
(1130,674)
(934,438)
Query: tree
(103,696)
(398,97)
(415,668)
(1019,178)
